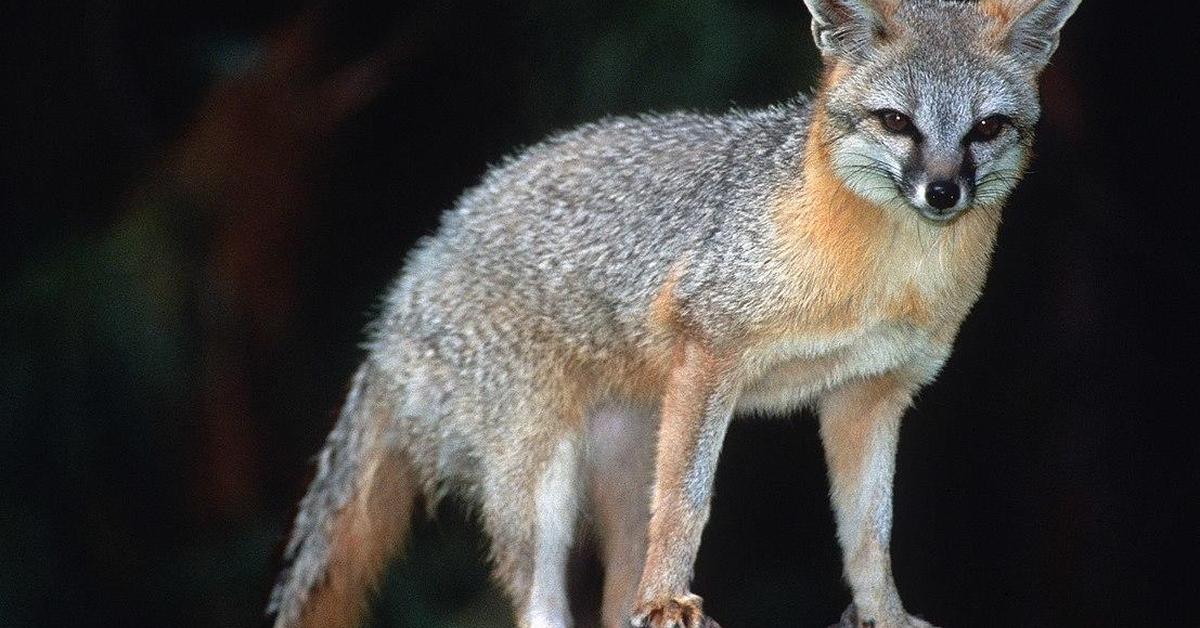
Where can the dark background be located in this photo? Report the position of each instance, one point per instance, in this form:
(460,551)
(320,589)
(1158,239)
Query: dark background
(202,202)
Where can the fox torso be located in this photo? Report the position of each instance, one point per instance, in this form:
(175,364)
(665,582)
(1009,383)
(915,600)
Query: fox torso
(727,228)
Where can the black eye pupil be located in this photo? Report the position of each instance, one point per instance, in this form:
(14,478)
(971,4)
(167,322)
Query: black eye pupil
(988,128)
(895,121)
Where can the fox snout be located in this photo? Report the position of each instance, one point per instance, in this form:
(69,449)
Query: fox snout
(940,187)
(942,193)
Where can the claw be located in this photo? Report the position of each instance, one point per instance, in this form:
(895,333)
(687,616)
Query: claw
(850,619)
(679,612)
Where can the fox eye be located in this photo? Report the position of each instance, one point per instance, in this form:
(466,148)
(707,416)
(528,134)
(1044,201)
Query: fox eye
(895,121)
(988,128)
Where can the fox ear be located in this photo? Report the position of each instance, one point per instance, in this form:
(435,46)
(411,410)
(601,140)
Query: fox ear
(1029,29)
(849,28)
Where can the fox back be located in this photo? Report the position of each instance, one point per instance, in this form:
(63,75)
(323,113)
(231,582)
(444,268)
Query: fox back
(576,336)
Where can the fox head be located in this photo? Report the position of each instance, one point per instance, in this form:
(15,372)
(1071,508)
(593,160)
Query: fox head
(930,105)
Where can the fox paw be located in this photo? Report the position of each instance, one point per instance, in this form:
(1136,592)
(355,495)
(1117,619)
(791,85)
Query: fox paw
(850,619)
(684,611)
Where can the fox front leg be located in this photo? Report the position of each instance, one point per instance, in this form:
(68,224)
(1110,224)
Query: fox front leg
(696,410)
(860,428)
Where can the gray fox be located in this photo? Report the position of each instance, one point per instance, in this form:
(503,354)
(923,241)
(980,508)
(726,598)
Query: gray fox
(571,345)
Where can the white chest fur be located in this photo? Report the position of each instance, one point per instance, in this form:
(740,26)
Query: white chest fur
(788,374)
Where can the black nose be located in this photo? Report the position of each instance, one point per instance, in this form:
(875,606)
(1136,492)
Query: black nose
(942,194)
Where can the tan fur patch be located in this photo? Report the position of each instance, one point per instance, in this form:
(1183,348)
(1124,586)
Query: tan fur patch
(1003,14)
(887,8)
(1002,11)
(664,309)
(640,377)
(677,523)
(842,224)
(910,307)
(835,72)
(367,532)
(857,412)
(695,374)
(842,230)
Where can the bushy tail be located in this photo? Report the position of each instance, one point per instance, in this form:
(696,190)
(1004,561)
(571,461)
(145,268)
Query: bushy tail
(356,514)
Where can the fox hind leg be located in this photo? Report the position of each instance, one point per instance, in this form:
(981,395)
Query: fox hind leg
(557,505)
(621,475)
(530,509)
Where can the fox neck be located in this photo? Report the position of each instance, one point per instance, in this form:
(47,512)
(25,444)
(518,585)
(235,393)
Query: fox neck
(848,252)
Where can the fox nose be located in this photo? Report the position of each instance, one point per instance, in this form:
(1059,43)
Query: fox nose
(942,194)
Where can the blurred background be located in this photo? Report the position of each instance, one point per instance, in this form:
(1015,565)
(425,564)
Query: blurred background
(202,202)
